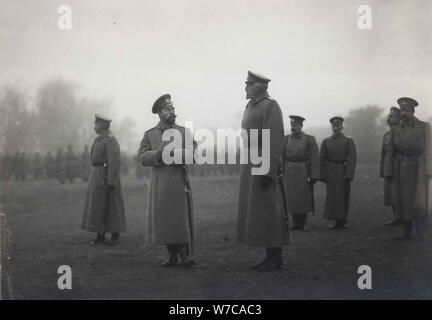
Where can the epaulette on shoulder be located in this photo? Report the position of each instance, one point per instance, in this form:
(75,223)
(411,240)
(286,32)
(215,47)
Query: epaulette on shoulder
(271,99)
(150,129)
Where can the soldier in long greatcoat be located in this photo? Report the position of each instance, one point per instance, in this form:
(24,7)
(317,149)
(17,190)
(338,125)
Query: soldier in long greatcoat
(301,171)
(410,166)
(170,214)
(261,219)
(104,207)
(338,162)
(389,186)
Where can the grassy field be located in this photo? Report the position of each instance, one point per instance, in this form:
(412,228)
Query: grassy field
(44,219)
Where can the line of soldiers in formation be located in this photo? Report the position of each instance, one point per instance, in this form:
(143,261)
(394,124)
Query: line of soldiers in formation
(265,201)
(63,166)
(70,166)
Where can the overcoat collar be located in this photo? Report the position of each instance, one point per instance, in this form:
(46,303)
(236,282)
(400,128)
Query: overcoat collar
(163,126)
(259,97)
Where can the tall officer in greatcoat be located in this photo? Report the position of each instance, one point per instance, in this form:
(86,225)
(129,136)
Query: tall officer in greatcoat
(389,186)
(104,210)
(301,171)
(261,217)
(338,162)
(410,166)
(170,210)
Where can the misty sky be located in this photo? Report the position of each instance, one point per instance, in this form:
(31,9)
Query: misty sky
(131,52)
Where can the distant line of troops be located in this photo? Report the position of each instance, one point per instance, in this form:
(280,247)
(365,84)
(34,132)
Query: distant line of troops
(63,166)
(264,200)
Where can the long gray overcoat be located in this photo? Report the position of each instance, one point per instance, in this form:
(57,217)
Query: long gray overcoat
(338,161)
(411,168)
(168,220)
(104,207)
(260,218)
(301,164)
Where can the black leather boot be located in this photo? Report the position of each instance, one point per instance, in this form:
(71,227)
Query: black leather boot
(274,261)
(186,262)
(302,222)
(407,225)
(172,256)
(100,238)
(256,266)
(114,239)
(296,222)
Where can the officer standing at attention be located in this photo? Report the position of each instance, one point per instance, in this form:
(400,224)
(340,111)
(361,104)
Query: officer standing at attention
(338,162)
(261,221)
(410,166)
(301,172)
(104,207)
(170,210)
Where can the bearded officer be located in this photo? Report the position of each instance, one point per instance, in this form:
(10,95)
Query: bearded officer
(389,187)
(410,165)
(104,207)
(261,221)
(301,172)
(170,215)
(338,162)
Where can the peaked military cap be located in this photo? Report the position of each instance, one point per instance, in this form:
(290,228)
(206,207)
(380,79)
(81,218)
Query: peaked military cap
(337,118)
(101,117)
(161,102)
(295,118)
(256,77)
(405,101)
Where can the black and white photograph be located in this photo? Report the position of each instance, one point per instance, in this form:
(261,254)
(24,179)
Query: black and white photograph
(215,150)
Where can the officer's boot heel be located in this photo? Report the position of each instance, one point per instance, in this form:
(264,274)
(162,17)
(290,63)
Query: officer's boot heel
(184,257)
(173,256)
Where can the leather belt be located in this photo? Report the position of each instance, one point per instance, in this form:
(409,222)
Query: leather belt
(337,161)
(98,165)
(296,160)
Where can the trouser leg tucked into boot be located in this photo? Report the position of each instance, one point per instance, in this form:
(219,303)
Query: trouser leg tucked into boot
(114,239)
(396,220)
(184,256)
(296,221)
(256,266)
(302,222)
(100,238)
(172,256)
(274,260)
(407,226)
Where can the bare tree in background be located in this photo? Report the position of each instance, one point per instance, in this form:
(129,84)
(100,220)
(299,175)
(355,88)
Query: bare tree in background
(366,126)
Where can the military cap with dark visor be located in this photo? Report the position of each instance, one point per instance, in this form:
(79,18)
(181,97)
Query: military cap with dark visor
(337,118)
(407,102)
(162,102)
(295,118)
(256,77)
(102,118)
